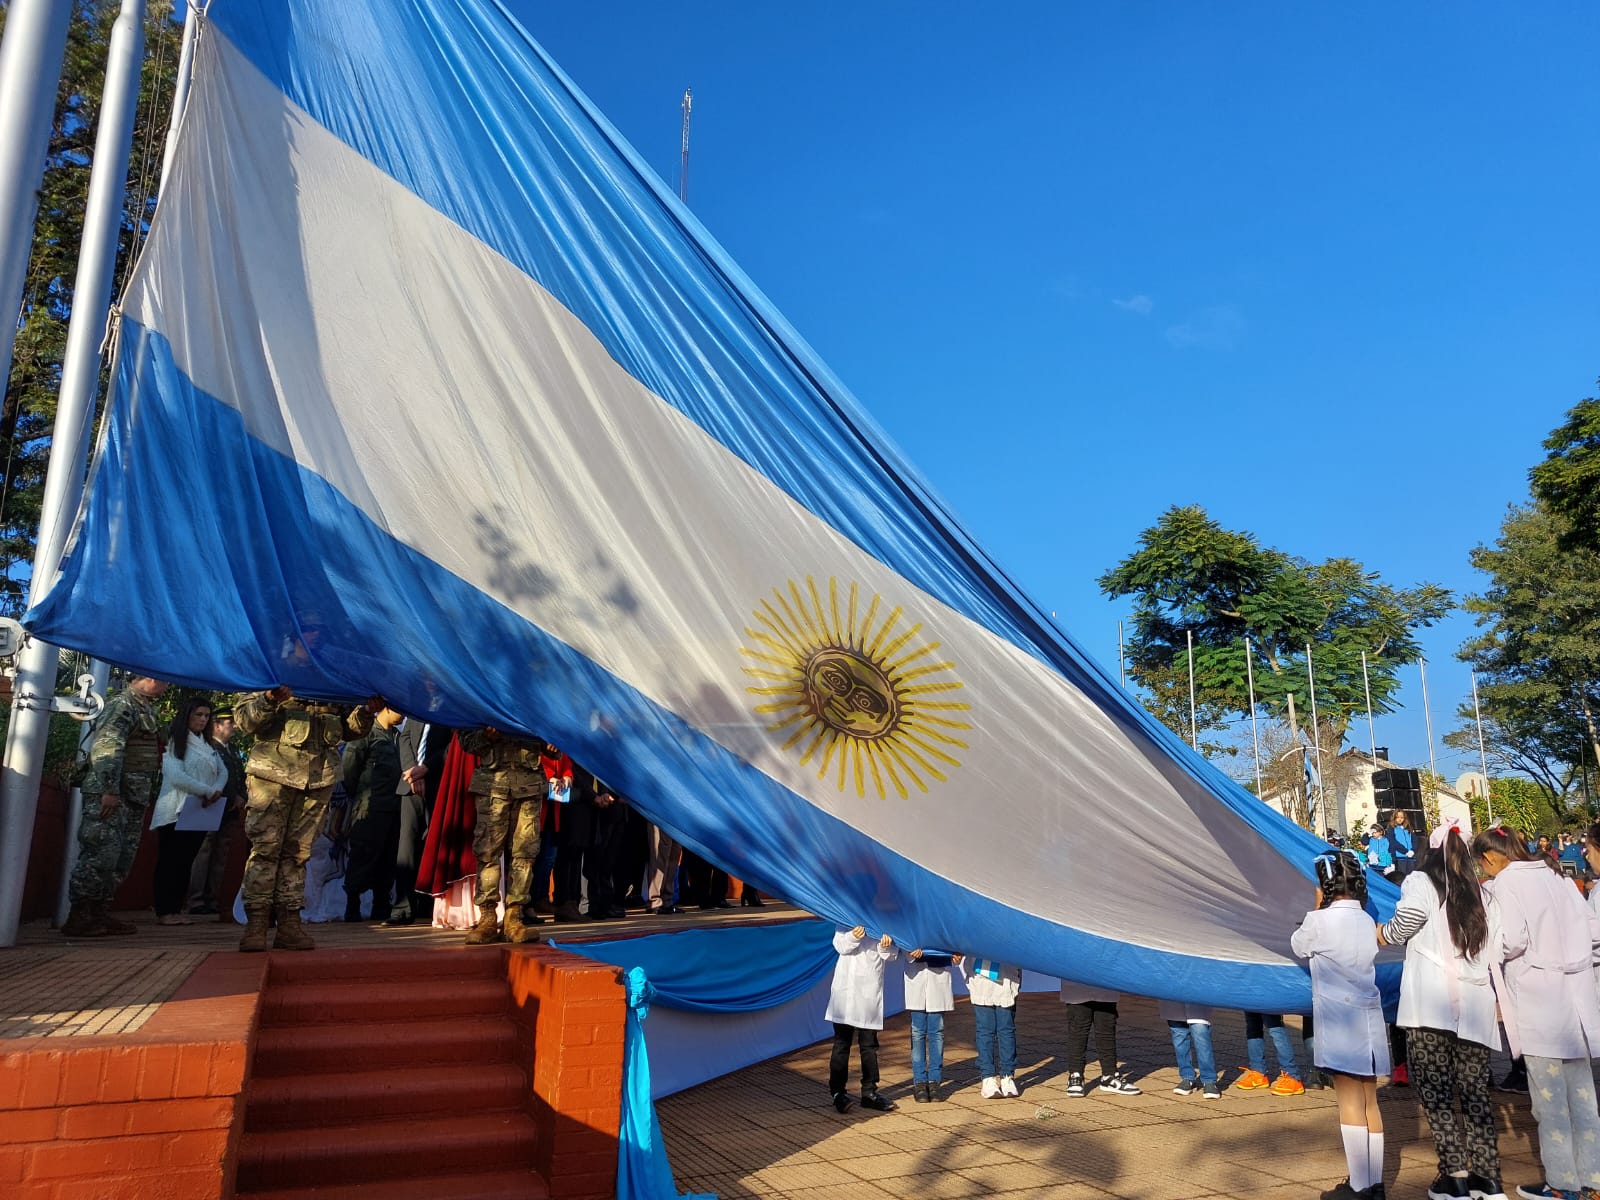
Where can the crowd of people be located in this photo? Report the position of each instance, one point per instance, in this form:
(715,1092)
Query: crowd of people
(368,776)
(1496,936)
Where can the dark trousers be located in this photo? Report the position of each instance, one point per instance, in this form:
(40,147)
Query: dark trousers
(1102,1016)
(175,851)
(601,862)
(408,857)
(374,844)
(634,857)
(839,1062)
(703,884)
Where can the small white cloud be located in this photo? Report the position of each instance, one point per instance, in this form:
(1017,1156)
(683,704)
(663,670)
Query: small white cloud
(1217,327)
(1140,305)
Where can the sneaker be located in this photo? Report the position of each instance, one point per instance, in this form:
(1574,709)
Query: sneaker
(1449,1187)
(1288,1085)
(1543,1191)
(1118,1084)
(1344,1191)
(1516,1081)
(1186,1087)
(1212,1092)
(935,1090)
(1008,1086)
(876,1102)
(1075,1085)
(1400,1076)
(991,1087)
(1318,1079)
(842,1101)
(1480,1188)
(919,1092)
(1251,1081)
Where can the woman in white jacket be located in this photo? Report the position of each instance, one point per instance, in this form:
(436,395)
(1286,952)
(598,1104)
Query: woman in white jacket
(191,766)
(1548,937)
(1447,1009)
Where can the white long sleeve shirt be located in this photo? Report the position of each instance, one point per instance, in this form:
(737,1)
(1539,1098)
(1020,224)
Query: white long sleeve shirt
(1442,988)
(857,994)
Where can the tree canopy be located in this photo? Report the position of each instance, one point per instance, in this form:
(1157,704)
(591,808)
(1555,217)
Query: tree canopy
(1538,655)
(1189,575)
(1567,482)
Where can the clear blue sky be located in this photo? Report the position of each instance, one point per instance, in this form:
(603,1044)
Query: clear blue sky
(1328,272)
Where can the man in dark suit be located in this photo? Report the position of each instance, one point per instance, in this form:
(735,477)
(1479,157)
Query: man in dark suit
(422,748)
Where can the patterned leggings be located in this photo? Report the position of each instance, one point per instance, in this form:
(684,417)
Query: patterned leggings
(1444,1067)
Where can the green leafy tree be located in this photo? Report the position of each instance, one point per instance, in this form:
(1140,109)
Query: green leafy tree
(1538,653)
(28,410)
(1191,576)
(1519,804)
(1567,482)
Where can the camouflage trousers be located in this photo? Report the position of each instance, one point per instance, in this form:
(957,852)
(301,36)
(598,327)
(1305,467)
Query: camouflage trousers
(508,827)
(107,845)
(281,823)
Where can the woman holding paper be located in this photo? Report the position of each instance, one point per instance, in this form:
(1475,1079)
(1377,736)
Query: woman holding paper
(193,779)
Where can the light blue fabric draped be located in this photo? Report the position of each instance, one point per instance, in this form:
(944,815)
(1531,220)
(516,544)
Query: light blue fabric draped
(643,1172)
(739,969)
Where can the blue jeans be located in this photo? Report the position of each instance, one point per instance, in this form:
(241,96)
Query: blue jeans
(927,1041)
(996,1024)
(1257,1024)
(1185,1035)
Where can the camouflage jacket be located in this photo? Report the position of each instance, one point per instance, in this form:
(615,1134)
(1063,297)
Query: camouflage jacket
(297,742)
(508,766)
(124,743)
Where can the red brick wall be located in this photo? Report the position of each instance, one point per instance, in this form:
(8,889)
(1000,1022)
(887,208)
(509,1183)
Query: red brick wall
(154,1114)
(570,1014)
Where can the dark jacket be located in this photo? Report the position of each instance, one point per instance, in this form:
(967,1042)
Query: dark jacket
(372,772)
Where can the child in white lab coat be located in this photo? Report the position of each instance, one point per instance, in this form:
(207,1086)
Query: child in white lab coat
(993,987)
(855,1007)
(1548,940)
(929,995)
(1341,941)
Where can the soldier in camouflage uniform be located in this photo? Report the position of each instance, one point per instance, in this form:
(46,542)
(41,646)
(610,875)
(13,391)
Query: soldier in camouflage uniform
(509,787)
(291,773)
(124,769)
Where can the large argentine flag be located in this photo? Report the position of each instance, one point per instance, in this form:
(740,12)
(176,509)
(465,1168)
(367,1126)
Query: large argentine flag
(426,387)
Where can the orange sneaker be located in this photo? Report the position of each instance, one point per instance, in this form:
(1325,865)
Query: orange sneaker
(1286,1085)
(1251,1080)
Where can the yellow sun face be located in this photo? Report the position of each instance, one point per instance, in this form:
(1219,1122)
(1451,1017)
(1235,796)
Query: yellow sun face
(855,692)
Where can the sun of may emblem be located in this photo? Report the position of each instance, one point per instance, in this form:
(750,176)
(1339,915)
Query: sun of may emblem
(858,692)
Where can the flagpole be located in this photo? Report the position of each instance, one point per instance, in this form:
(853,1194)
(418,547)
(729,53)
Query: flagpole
(180,92)
(1366,685)
(1427,716)
(1483,757)
(1255,739)
(1194,729)
(1316,741)
(30,72)
(1122,660)
(35,685)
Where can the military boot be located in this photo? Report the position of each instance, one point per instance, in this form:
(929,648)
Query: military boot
(109,923)
(291,935)
(255,930)
(517,928)
(487,929)
(81,922)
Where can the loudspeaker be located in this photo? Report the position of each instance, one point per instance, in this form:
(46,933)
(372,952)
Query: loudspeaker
(1399,788)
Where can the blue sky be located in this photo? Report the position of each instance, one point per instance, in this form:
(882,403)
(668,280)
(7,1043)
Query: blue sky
(1327,272)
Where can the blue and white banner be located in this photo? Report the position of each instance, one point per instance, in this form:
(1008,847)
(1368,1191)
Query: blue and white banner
(428,387)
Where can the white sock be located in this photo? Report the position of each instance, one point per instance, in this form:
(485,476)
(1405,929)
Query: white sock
(1374,1158)
(1355,1154)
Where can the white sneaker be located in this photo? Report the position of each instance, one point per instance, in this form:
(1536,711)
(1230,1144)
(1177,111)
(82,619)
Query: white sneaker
(991,1088)
(1008,1087)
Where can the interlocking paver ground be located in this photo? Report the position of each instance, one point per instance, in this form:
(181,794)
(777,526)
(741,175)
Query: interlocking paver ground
(1046,1145)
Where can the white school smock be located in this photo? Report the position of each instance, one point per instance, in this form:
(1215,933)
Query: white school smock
(1189,1014)
(1440,989)
(1548,937)
(857,994)
(1073,992)
(991,993)
(928,989)
(1594,907)
(1341,941)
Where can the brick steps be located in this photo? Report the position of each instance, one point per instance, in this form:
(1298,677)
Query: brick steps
(359,1090)
(483,1185)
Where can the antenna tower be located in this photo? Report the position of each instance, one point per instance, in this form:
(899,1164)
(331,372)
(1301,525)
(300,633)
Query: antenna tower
(683,161)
